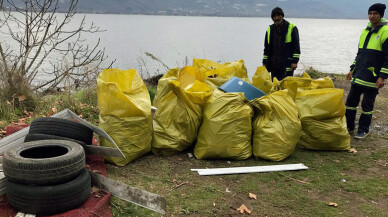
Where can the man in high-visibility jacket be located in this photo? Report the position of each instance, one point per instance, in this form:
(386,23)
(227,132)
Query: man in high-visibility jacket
(368,71)
(281,46)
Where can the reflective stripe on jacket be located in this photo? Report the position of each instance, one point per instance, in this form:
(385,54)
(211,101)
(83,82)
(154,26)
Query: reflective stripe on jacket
(372,57)
(291,43)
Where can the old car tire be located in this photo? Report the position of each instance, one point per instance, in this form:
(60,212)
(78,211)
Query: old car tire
(51,199)
(36,136)
(62,127)
(44,162)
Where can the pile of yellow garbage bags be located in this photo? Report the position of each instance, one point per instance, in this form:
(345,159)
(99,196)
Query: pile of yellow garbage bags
(192,113)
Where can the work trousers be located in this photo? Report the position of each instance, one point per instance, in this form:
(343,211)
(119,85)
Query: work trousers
(280,73)
(367,104)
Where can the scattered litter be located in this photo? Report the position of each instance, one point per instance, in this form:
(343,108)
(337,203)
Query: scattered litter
(228,162)
(97,171)
(333,204)
(254,169)
(94,189)
(21,97)
(384,165)
(243,209)
(20,214)
(190,155)
(252,196)
(352,150)
(214,204)
(53,110)
(374,202)
(343,180)
(227,190)
(296,180)
(21,121)
(178,185)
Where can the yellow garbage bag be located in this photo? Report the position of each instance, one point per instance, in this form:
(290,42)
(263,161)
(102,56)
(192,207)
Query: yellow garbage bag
(216,74)
(293,83)
(322,114)
(262,80)
(275,85)
(178,118)
(320,103)
(321,83)
(276,126)
(125,113)
(226,128)
(188,74)
(163,85)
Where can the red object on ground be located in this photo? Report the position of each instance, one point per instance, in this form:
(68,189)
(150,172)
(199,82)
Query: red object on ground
(14,128)
(96,205)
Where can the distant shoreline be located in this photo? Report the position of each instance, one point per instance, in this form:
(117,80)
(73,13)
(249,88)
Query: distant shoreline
(209,15)
(199,15)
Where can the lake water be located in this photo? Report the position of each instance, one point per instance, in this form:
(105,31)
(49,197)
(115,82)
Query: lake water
(329,45)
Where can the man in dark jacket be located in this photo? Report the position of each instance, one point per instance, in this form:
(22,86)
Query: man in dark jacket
(368,71)
(281,46)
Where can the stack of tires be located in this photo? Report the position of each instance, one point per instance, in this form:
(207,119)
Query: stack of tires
(46,174)
(60,129)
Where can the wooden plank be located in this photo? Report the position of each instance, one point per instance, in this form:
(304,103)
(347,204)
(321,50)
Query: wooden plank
(255,169)
(134,195)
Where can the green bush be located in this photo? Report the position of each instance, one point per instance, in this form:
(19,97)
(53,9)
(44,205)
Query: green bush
(314,74)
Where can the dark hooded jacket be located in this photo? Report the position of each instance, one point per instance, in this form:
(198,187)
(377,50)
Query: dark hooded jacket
(289,51)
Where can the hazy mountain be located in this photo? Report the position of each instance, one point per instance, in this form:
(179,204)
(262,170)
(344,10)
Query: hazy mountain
(260,8)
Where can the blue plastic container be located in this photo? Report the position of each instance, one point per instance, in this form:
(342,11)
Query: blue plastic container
(237,85)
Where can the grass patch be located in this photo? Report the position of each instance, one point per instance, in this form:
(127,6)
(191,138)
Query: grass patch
(314,73)
(152,92)
(124,209)
(344,178)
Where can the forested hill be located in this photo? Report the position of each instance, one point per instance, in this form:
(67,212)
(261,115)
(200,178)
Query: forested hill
(246,8)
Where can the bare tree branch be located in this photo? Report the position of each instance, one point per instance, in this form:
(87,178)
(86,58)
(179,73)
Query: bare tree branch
(48,44)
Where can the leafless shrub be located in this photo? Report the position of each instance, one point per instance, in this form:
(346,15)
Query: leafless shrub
(48,46)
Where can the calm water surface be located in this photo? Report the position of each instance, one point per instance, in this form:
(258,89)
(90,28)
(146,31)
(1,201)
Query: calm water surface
(329,45)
